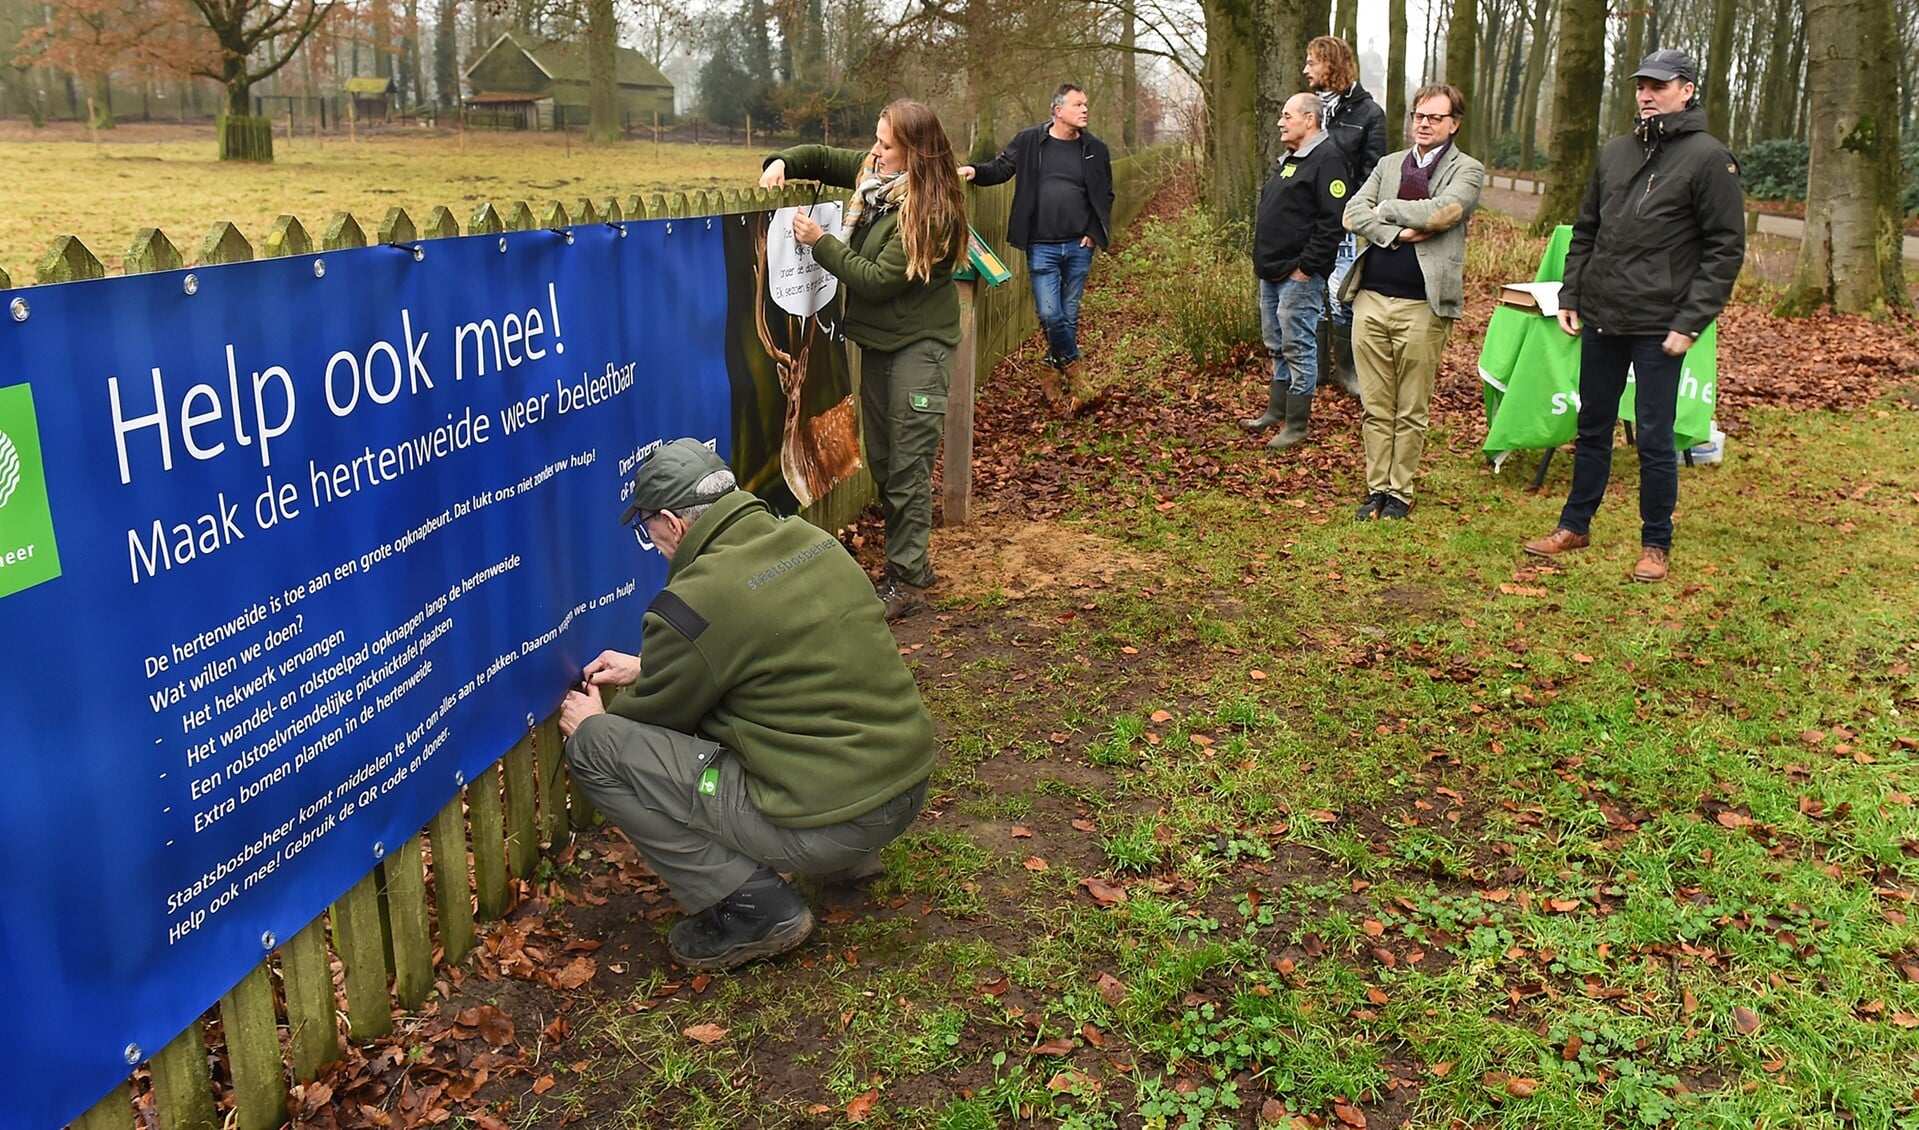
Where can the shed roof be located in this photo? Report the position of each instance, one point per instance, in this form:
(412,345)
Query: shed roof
(565,61)
(368,84)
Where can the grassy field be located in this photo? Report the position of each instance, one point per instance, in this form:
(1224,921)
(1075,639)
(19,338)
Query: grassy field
(140,176)
(1247,814)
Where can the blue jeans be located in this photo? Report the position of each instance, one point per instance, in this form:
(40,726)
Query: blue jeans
(1603,360)
(1059,271)
(1289,313)
(1343,257)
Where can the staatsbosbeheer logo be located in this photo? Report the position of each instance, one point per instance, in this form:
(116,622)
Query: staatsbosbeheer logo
(28,555)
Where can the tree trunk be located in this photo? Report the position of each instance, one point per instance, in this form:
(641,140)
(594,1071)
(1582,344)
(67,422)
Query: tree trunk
(1777,87)
(1625,99)
(602,87)
(1849,257)
(1461,28)
(1580,69)
(1395,73)
(1233,128)
(1346,22)
(1716,84)
(446,54)
(1129,82)
(1535,78)
(100,101)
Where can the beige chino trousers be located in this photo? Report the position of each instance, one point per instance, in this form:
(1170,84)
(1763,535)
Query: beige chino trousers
(1397,345)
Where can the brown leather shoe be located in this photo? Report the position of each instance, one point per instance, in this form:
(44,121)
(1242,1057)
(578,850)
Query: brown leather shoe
(1051,389)
(1652,565)
(1556,543)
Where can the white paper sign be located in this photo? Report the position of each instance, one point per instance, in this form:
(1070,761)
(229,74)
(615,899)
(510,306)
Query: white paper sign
(798,284)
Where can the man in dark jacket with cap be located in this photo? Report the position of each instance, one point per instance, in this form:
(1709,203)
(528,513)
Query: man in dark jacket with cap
(1659,241)
(771,727)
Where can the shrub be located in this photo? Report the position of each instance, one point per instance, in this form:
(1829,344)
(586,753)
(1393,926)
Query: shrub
(1775,169)
(1198,272)
(1505,153)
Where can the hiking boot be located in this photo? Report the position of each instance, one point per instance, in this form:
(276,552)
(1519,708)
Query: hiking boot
(1299,413)
(869,868)
(1051,388)
(1652,565)
(764,917)
(1073,378)
(1394,509)
(1369,509)
(1275,410)
(900,599)
(1556,543)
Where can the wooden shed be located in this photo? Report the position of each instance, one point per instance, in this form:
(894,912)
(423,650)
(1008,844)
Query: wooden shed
(372,97)
(548,78)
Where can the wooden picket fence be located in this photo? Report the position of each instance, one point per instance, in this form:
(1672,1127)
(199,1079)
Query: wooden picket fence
(281,1021)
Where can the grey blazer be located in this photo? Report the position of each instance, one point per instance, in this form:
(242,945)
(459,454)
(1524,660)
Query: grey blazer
(1455,186)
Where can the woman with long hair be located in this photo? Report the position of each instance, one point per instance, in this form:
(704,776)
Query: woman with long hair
(903,234)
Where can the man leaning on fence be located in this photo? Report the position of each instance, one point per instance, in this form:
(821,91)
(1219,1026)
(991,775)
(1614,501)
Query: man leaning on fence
(1658,244)
(1062,211)
(770,724)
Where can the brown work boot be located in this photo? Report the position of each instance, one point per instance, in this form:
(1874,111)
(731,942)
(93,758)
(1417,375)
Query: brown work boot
(1556,543)
(1652,565)
(1053,391)
(1073,377)
(899,600)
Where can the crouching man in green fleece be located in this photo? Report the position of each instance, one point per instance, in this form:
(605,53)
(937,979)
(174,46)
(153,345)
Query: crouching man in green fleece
(772,726)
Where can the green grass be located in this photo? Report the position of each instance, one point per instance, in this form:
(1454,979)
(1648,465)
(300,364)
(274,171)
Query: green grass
(167,177)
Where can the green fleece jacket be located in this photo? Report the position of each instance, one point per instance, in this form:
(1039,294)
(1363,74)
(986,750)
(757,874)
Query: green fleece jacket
(884,309)
(768,640)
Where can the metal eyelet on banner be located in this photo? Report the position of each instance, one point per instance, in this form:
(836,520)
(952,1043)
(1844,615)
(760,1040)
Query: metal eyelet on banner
(621,228)
(709,223)
(190,284)
(568,234)
(529,719)
(268,941)
(669,227)
(417,250)
(459,779)
(379,849)
(502,245)
(133,1055)
(19,309)
(319,268)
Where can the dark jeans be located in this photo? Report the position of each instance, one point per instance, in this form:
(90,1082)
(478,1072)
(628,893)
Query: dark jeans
(1058,272)
(1603,361)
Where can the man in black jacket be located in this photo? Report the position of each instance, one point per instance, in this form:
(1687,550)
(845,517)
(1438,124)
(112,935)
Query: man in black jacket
(1062,210)
(1294,234)
(1659,241)
(1358,127)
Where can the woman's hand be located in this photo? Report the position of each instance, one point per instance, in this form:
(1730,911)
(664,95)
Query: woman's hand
(774,175)
(966,172)
(806,229)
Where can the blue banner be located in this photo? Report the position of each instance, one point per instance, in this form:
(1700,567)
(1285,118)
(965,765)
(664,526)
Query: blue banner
(289,550)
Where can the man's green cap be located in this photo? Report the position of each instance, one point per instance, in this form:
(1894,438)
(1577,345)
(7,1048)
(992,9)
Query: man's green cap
(669,479)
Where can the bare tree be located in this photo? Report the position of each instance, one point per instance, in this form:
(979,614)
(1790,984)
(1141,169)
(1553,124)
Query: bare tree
(1850,257)
(252,39)
(1579,72)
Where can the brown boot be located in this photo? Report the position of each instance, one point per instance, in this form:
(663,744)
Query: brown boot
(1073,375)
(1051,389)
(1556,543)
(1652,565)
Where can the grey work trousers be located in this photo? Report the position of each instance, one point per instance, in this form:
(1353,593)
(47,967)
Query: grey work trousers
(902,417)
(646,779)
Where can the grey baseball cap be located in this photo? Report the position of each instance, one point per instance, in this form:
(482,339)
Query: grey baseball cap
(669,479)
(1669,64)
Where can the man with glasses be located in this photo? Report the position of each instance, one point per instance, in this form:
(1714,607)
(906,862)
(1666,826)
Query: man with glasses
(1407,287)
(1294,234)
(1659,241)
(769,724)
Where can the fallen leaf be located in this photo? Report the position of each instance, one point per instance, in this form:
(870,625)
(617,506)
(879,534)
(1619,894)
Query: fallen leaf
(1521,1088)
(1372,927)
(1745,1020)
(1441,1070)
(1578,658)
(704,1033)
(1161,716)
(1034,863)
(1021,832)
(859,1108)
(495,1026)
(1256,673)
(1103,892)
(1085,826)
(1059,1045)
(543,1084)
(1349,1114)
(1111,989)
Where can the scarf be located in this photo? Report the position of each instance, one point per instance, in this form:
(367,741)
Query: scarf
(1415,182)
(876,194)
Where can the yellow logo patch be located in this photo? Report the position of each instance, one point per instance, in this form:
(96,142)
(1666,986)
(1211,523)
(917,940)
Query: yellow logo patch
(1287,171)
(1338,189)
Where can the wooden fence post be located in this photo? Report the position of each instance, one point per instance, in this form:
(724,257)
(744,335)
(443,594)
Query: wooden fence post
(957,477)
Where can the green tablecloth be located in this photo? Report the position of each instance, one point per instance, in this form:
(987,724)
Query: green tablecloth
(1530,370)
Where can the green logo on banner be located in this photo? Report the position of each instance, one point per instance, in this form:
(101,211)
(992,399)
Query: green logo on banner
(27,553)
